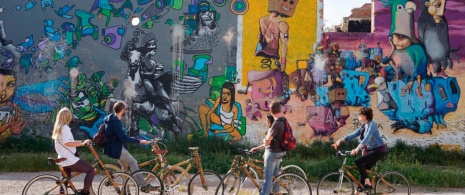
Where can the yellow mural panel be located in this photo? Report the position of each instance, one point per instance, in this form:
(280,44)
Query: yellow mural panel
(302,35)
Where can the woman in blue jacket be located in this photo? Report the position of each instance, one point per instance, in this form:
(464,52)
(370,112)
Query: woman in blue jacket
(371,142)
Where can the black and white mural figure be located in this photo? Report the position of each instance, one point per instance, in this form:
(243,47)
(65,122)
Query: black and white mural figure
(149,87)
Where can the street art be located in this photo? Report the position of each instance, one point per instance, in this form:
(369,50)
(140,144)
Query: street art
(210,67)
(222,116)
(112,36)
(416,111)
(150,88)
(84,27)
(11,120)
(201,29)
(275,31)
(24,46)
(43,97)
(63,11)
(46,3)
(50,31)
(88,94)
(433,32)
(238,7)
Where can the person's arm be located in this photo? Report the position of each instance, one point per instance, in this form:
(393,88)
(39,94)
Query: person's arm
(260,147)
(348,137)
(77,143)
(117,130)
(372,128)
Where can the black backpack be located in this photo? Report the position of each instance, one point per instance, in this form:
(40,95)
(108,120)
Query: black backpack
(100,139)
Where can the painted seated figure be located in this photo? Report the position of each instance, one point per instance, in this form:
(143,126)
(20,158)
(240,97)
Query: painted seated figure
(223,116)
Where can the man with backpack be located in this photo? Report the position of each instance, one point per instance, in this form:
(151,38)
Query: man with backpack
(117,138)
(276,146)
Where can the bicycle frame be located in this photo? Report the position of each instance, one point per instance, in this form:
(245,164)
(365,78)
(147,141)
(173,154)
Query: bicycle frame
(97,167)
(239,164)
(372,174)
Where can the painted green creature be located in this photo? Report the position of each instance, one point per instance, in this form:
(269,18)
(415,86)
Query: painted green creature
(407,56)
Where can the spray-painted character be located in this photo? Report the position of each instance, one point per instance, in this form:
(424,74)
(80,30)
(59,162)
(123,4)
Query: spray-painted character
(407,55)
(433,32)
(11,120)
(275,31)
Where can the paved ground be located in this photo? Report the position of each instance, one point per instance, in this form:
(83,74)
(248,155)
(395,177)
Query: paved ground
(13,183)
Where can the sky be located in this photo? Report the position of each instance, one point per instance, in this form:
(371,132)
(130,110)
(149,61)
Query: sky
(335,10)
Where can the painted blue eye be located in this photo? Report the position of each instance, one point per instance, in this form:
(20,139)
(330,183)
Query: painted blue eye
(400,7)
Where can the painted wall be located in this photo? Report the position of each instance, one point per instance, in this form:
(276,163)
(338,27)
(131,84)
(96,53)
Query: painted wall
(210,68)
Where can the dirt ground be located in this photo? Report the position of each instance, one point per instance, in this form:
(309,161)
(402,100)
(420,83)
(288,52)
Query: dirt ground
(13,183)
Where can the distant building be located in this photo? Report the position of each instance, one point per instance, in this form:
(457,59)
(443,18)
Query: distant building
(358,21)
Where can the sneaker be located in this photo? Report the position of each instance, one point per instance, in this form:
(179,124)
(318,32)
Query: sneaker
(148,188)
(83,193)
(367,187)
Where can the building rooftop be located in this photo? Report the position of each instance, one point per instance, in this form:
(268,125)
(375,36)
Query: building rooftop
(362,12)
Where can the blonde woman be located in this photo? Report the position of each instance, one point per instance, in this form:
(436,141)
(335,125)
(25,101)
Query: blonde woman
(65,146)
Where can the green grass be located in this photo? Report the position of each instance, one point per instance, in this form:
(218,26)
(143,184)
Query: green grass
(424,166)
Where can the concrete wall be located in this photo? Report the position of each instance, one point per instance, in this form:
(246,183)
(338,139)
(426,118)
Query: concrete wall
(210,68)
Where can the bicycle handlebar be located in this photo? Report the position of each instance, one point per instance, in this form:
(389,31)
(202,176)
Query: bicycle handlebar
(343,153)
(155,141)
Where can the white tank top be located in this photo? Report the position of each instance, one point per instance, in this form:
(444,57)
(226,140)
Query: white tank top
(226,117)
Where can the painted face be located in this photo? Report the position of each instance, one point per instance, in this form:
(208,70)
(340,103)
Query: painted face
(7,87)
(436,9)
(207,18)
(401,41)
(225,96)
(284,7)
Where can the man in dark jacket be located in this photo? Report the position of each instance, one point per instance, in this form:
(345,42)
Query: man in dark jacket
(116,139)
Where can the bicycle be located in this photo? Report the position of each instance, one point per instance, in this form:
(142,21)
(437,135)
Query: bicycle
(119,182)
(174,176)
(342,182)
(244,175)
(286,169)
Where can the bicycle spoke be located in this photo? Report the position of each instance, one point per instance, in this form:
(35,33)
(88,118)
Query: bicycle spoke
(332,183)
(125,184)
(169,178)
(44,184)
(294,169)
(151,185)
(205,185)
(291,183)
(394,183)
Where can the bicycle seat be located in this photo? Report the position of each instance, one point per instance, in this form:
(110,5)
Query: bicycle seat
(160,151)
(55,160)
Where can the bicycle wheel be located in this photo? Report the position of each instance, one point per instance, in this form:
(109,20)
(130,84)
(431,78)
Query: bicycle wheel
(211,178)
(290,183)
(333,183)
(125,184)
(170,176)
(44,184)
(294,169)
(152,185)
(235,184)
(111,168)
(396,183)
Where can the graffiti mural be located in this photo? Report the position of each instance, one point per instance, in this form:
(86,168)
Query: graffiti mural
(11,122)
(210,68)
(151,89)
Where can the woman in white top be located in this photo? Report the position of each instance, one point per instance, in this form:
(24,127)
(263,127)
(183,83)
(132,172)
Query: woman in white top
(65,146)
